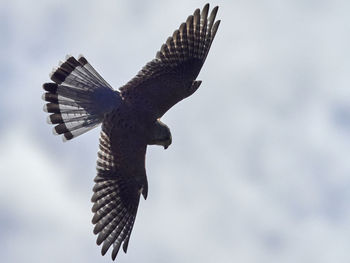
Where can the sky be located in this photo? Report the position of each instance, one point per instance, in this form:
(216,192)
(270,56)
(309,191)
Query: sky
(258,171)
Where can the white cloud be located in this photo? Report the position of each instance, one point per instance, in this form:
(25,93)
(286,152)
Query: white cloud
(258,169)
(42,214)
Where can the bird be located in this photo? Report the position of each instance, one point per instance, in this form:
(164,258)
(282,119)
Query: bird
(79,99)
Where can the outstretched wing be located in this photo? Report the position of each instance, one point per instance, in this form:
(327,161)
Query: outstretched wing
(170,77)
(120,180)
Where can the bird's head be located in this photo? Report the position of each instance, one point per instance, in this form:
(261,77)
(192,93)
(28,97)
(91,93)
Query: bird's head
(160,135)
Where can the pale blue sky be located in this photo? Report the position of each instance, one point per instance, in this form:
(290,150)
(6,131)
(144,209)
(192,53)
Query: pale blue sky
(259,168)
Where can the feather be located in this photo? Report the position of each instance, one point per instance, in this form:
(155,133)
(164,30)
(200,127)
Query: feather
(78,97)
(164,81)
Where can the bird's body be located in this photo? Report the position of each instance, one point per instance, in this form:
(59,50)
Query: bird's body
(79,99)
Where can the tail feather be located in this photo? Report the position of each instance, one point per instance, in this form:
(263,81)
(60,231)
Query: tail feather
(89,68)
(77,98)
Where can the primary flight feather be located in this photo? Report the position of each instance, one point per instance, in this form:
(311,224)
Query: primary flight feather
(79,99)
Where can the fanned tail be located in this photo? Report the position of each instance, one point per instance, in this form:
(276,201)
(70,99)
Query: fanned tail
(77,98)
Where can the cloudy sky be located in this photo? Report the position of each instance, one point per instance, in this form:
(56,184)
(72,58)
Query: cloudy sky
(259,168)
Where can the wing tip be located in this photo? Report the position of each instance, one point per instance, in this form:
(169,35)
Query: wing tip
(196,13)
(215,28)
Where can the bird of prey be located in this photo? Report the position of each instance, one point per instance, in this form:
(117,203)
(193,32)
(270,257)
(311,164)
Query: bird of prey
(78,99)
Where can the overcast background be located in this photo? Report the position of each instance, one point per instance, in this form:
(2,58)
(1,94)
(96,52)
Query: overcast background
(259,168)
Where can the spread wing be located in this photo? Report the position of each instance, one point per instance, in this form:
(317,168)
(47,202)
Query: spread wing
(170,77)
(120,180)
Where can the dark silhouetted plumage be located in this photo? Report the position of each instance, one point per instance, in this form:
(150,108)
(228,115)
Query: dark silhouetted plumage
(79,99)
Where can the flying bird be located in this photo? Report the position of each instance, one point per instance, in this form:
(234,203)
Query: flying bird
(79,99)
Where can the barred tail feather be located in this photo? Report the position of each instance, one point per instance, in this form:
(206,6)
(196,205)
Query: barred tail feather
(77,98)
